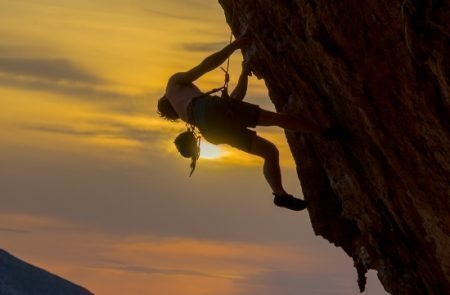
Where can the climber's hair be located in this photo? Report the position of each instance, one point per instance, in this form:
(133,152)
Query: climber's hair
(165,109)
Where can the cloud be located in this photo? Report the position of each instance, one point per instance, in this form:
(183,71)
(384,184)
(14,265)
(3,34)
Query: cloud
(153,270)
(47,69)
(107,128)
(14,230)
(189,9)
(247,254)
(17,222)
(59,76)
(293,283)
(176,16)
(121,266)
(65,130)
(83,91)
(203,46)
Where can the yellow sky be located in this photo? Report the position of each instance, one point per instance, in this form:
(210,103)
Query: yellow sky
(109,58)
(92,187)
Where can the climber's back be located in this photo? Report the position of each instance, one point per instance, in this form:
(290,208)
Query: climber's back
(180,92)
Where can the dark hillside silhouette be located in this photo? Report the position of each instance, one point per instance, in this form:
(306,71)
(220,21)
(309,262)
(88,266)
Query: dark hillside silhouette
(20,278)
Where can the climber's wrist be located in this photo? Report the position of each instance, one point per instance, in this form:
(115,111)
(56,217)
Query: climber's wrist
(242,40)
(235,45)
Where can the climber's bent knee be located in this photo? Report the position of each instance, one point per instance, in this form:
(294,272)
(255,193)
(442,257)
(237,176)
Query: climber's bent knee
(263,148)
(268,118)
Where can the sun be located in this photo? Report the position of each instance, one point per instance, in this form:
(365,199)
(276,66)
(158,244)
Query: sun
(210,151)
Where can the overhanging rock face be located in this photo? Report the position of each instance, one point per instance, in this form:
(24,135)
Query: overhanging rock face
(380,68)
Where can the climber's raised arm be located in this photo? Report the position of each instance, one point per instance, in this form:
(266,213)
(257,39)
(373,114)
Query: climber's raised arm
(240,90)
(208,64)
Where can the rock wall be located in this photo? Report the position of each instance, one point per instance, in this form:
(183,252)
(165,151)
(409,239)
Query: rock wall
(380,68)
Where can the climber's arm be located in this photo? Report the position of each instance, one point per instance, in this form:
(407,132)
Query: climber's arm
(241,88)
(211,62)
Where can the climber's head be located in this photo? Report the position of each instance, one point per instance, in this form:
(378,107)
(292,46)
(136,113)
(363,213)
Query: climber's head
(165,109)
(187,144)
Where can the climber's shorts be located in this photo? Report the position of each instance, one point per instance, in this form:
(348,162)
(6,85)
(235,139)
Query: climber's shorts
(226,120)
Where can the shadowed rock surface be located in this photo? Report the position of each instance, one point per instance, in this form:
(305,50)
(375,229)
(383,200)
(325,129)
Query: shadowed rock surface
(20,278)
(380,68)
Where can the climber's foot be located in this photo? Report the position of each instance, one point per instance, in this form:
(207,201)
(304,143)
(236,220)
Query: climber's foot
(336,133)
(289,202)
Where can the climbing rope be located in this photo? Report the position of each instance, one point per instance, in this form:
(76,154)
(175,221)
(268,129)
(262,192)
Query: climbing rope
(227,75)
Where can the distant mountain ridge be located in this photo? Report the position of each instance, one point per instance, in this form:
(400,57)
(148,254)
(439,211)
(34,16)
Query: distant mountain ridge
(20,278)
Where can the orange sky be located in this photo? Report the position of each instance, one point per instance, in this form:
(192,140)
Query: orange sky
(92,187)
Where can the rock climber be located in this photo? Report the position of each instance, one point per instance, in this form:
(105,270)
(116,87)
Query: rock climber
(227,120)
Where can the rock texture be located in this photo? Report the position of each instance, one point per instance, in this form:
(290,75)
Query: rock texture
(20,278)
(380,68)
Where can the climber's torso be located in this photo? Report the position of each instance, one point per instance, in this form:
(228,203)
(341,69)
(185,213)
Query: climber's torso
(180,96)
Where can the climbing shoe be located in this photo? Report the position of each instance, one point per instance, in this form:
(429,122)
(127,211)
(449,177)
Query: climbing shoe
(336,133)
(289,202)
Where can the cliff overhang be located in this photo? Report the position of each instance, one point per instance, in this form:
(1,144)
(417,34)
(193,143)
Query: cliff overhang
(380,68)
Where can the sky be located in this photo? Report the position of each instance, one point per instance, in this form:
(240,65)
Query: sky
(92,188)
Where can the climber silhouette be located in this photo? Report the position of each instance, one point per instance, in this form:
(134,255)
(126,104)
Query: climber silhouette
(227,120)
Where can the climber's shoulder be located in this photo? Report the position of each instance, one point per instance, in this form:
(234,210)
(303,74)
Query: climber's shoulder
(180,78)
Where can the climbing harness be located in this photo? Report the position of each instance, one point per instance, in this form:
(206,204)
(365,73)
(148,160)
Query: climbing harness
(188,142)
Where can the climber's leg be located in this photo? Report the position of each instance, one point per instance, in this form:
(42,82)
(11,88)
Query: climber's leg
(286,121)
(269,152)
(271,168)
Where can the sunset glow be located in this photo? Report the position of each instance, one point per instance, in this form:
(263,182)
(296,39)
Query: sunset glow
(210,151)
